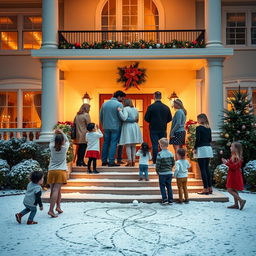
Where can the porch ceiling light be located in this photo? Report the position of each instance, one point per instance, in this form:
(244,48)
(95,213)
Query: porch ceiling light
(86,98)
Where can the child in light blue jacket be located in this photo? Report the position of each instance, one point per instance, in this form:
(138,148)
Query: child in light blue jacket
(181,174)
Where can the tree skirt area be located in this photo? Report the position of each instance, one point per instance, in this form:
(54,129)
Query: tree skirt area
(112,229)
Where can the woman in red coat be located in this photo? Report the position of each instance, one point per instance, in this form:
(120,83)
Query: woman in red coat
(235,178)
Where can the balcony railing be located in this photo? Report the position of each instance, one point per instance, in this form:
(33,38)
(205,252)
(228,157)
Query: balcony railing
(27,133)
(132,39)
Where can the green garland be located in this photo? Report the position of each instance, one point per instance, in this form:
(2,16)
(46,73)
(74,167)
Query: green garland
(141,44)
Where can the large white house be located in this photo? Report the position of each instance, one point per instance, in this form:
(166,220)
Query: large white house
(43,79)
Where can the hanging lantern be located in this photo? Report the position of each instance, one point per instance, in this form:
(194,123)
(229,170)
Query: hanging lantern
(86,98)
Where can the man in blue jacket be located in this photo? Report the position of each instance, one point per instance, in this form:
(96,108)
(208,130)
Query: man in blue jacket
(158,115)
(112,124)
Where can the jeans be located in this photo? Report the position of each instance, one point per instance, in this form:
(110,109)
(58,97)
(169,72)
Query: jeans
(155,136)
(143,170)
(111,139)
(31,209)
(81,153)
(182,185)
(165,182)
(205,173)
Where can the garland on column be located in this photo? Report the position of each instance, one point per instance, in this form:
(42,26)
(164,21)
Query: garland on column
(131,76)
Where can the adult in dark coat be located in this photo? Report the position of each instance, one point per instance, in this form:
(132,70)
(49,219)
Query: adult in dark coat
(158,115)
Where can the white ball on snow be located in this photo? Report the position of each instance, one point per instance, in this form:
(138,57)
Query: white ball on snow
(135,202)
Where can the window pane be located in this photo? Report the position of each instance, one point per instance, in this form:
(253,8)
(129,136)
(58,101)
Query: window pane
(8,110)
(32,40)
(8,40)
(230,95)
(253,29)
(151,19)
(8,22)
(32,22)
(108,17)
(235,19)
(31,109)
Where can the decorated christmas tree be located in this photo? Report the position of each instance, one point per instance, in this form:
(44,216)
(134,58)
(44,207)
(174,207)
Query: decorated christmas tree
(238,125)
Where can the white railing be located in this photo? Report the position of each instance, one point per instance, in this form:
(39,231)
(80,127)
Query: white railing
(28,133)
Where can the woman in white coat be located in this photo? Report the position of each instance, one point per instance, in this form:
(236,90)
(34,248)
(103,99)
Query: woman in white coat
(130,133)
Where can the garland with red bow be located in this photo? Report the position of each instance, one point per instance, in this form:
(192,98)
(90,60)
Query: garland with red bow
(131,76)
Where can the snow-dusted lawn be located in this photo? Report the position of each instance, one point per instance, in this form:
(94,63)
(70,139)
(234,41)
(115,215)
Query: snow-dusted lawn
(104,229)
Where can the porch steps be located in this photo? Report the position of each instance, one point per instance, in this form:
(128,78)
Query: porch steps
(120,184)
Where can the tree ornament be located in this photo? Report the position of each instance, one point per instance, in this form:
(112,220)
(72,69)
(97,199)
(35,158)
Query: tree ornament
(243,127)
(238,131)
(247,132)
(246,111)
(229,144)
(221,152)
(226,135)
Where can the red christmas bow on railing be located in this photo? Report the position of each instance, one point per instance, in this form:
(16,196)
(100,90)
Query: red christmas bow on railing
(131,74)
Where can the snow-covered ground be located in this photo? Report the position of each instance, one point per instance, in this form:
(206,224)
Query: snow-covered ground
(111,229)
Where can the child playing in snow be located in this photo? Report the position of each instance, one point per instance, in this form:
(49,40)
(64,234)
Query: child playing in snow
(32,198)
(93,145)
(234,178)
(145,156)
(164,164)
(181,174)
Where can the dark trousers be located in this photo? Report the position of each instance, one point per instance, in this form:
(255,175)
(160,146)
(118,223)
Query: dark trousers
(81,153)
(31,209)
(205,173)
(165,183)
(92,161)
(119,153)
(155,136)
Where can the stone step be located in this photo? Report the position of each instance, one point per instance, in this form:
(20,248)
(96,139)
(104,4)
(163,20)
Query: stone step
(123,183)
(115,169)
(124,190)
(114,175)
(78,197)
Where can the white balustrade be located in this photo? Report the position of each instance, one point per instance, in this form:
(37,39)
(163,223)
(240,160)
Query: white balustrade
(30,134)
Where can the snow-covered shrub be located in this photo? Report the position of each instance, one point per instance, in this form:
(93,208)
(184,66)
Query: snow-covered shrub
(16,150)
(220,175)
(4,170)
(19,174)
(250,174)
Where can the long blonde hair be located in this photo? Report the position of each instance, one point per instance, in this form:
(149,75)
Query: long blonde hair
(180,105)
(238,154)
(203,120)
(85,108)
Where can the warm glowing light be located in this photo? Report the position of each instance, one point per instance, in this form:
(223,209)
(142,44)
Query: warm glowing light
(36,40)
(86,98)
(5,21)
(35,19)
(7,39)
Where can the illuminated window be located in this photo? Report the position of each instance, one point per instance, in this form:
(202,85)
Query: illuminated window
(30,112)
(31,109)
(129,16)
(8,109)
(254,100)
(236,29)
(8,33)
(230,95)
(32,35)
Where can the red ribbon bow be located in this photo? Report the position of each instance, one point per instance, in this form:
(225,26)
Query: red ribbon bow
(131,74)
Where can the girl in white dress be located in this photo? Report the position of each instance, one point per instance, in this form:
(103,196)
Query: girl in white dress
(130,133)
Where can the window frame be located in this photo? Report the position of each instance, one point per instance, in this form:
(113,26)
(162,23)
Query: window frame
(20,86)
(20,13)
(248,10)
(245,84)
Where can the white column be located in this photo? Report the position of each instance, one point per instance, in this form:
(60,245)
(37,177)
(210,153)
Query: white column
(214,94)
(213,23)
(50,94)
(50,23)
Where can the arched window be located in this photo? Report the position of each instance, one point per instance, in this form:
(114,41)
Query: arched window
(130,15)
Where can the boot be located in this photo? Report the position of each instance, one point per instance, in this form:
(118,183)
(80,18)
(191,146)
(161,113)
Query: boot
(18,217)
(31,222)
